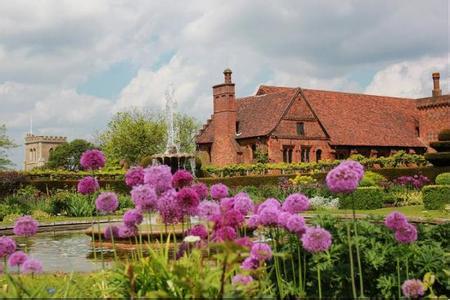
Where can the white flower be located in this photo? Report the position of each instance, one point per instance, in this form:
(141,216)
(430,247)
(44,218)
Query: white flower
(191,239)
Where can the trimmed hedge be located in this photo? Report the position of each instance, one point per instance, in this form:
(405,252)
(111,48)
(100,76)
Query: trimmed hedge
(364,197)
(47,185)
(10,182)
(443,179)
(436,196)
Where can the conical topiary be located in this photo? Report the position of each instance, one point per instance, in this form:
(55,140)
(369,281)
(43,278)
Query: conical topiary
(442,157)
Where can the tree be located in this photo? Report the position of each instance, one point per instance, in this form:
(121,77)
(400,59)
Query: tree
(67,155)
(135,134)
(5,144)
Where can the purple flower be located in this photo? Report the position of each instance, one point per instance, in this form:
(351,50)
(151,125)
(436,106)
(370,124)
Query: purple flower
(201,189)
(269,202)
(132,217)
(188,201)
(244,242)
(240,279)
(17,259)
(316,239)
(158,177)
(25,226)
(226,203)
(7,246)
(134,176)
(87,185)
(182,178)
(406,234)
(416,181)
(144,197)
(225,233)
(168,207)
(342,179)
(32,265)
(243,203)
(107,202)
(233,218)
(413,288)
(296,203)
(269,216)
(354,166)
(395,220)
(111,231)
(92,159)
(296,224)
(250,263)
(127,231)
(283,218)
(200,231)
(253,221)
(219,191)
(261,251)
(208,209)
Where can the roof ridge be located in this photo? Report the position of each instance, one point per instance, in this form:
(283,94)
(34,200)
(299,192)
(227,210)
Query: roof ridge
(360,94)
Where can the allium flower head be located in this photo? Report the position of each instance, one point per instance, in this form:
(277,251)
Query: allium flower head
(283,217)
(355,166)
(107,202)
(92,159)
(269,216)
(219,191)
(32,265)
(132,217)
(253,221)
(144,197)
(269,202)
(25,226)
(240,279)
(225,233)
(182,178)
(233,218)
(226,203)
(243,203)
(208,209)
(127,231)
(17,259)
(244,242)
(188,201)
(413,288)
(200,231)
(261,251)
(168,207)
(158,177)
(342,179)
(111,231)
(134,176)
(87,185)
(395,220)
(406,234)
(316,239)
(250,263)
(201,189)
(296,224)
(7,246)
(295,203)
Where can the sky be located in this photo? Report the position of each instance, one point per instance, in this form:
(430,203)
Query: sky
(70,65)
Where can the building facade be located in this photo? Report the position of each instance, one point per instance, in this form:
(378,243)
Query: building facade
(38,149)
(302,125)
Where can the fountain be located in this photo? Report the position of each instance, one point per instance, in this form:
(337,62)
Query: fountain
(172,157)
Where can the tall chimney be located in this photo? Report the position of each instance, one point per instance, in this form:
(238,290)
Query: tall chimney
(436,88)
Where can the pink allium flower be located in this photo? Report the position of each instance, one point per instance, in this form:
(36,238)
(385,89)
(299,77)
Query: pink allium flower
(201,189)
(244,242)
(395,220)
(111,231)
(253,221)
(269,202)
(168,207)
(132,217)
(233,218)
(144,197)
(188,201)
(32,265)
(261,251)
(295,203)
(250,263)
(226,203)
(158,177)
(342,179)
(87,185)
(134,176)
(283,217)
(127,231)
(17,259)
(243,203)
(208,209)
(413,288)
(225,233)
(200,231)
(219,191)
(107,202)
(25,226)
(269,216)
(406,234)
(355,166)
(7,246)
(296,224)
(316,239)
(92,159)
(240,279)
(182,178)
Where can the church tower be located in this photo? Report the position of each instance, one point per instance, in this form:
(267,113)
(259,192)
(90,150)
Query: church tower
(38,149)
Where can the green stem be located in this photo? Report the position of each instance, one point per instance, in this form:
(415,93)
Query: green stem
(112,239)
(352,271)
(99,231)
(93,238)
(398,279)
(300,276)
(361,283)
(318,281)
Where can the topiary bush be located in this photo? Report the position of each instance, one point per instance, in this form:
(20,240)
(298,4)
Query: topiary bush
(444,135)
(372,179)
(364,197)
(443,179)
(436,196)
(442,157)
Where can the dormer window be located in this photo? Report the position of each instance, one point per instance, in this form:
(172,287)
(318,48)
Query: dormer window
(300,128)
(238,130)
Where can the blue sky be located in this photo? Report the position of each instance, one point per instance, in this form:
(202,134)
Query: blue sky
(70,65)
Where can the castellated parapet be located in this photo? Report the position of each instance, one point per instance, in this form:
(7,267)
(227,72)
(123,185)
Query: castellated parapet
(38,149)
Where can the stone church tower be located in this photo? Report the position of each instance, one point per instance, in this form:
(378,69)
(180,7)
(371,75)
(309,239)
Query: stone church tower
(38,149)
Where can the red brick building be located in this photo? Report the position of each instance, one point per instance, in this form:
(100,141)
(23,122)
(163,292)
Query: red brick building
(296,124)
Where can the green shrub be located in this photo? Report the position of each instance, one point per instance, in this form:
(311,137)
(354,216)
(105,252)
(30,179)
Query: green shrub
(80,206)
(4,210)
(444,135)
(364,198)
(11,218)
(40,215)
(436,196)
(372,179)
(443,179)
(10,182)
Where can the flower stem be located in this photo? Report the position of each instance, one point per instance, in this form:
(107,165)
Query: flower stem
(398,279)
(352,271)
(112,239)
(361,284)
(318,281)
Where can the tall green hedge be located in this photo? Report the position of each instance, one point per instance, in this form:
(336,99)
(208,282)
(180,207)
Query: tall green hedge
(364,197)
(436,196)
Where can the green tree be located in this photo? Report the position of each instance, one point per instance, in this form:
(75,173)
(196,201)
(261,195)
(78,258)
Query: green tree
(5,144)
(67,155)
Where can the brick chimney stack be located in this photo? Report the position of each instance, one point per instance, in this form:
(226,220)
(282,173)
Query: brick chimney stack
(436,88)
